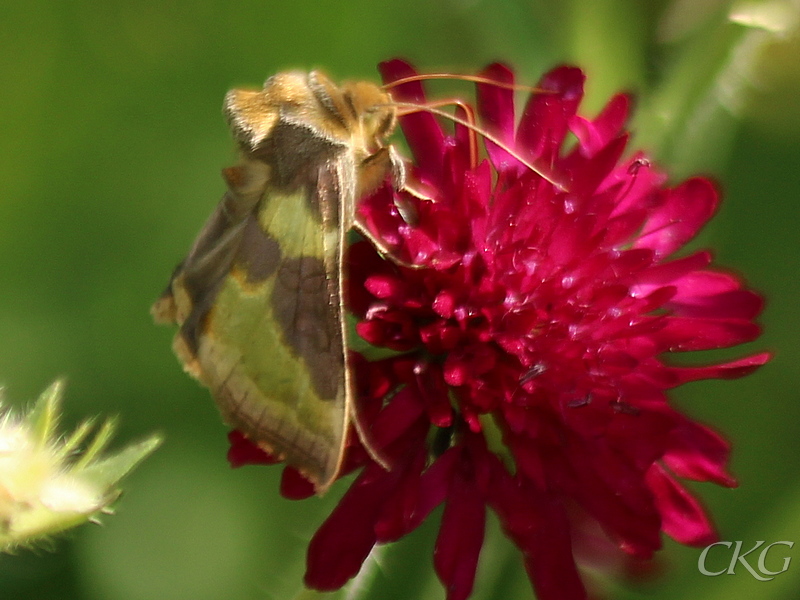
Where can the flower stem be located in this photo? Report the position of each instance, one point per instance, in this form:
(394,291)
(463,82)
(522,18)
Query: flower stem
(360,586)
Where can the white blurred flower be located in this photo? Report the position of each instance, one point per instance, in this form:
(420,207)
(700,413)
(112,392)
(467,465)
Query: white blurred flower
(50,482)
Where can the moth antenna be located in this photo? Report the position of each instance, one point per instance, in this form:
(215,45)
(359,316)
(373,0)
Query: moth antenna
(408,108)
(472,79)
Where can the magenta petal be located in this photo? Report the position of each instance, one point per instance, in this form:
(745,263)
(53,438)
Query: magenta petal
(435,482)
(696,452)
(460,539)
(612,118)
(244,452)
(597,168)
(398,516)
(672,272)
(609,490)
(385,286)
(496,109)
(702,283)
(403,515)
(398,417)
(594,135)
(640,182)
(547,115)
(538,524)
(527,457)
(549,559)
(572,241)
(683,519)
(294,486)
(684,211)
(379,214)
(697,296)
(685,334)
(729,370)
(342,543)
(433,392)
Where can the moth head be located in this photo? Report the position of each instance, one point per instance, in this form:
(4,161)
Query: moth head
(373,108)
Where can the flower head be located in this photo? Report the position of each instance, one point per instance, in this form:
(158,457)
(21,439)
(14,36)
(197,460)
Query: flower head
(47,484)
(532,344)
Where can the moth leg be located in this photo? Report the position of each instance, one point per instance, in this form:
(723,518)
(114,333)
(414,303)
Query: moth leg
(373,173)
(373,169)
(384,249)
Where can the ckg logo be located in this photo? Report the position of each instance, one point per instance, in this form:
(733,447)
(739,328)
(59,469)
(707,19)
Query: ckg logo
(763,573)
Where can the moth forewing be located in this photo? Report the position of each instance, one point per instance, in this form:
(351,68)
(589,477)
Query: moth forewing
(259,297)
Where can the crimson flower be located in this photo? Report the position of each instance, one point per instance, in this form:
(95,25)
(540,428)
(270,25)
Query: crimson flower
(531,365)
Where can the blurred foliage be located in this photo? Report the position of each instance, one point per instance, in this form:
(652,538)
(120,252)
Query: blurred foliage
(111,147)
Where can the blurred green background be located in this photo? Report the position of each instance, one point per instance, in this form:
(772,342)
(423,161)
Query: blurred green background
(111,142)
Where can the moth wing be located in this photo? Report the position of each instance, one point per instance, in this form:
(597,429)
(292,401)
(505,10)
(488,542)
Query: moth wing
(213,251)
(258,304)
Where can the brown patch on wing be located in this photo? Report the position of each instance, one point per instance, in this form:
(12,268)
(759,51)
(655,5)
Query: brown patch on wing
(258,254)
(306,306)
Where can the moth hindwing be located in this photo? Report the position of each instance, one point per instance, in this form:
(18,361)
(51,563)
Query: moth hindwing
(258,300)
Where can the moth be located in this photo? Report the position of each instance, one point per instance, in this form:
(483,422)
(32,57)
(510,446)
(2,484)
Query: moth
(259,298)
